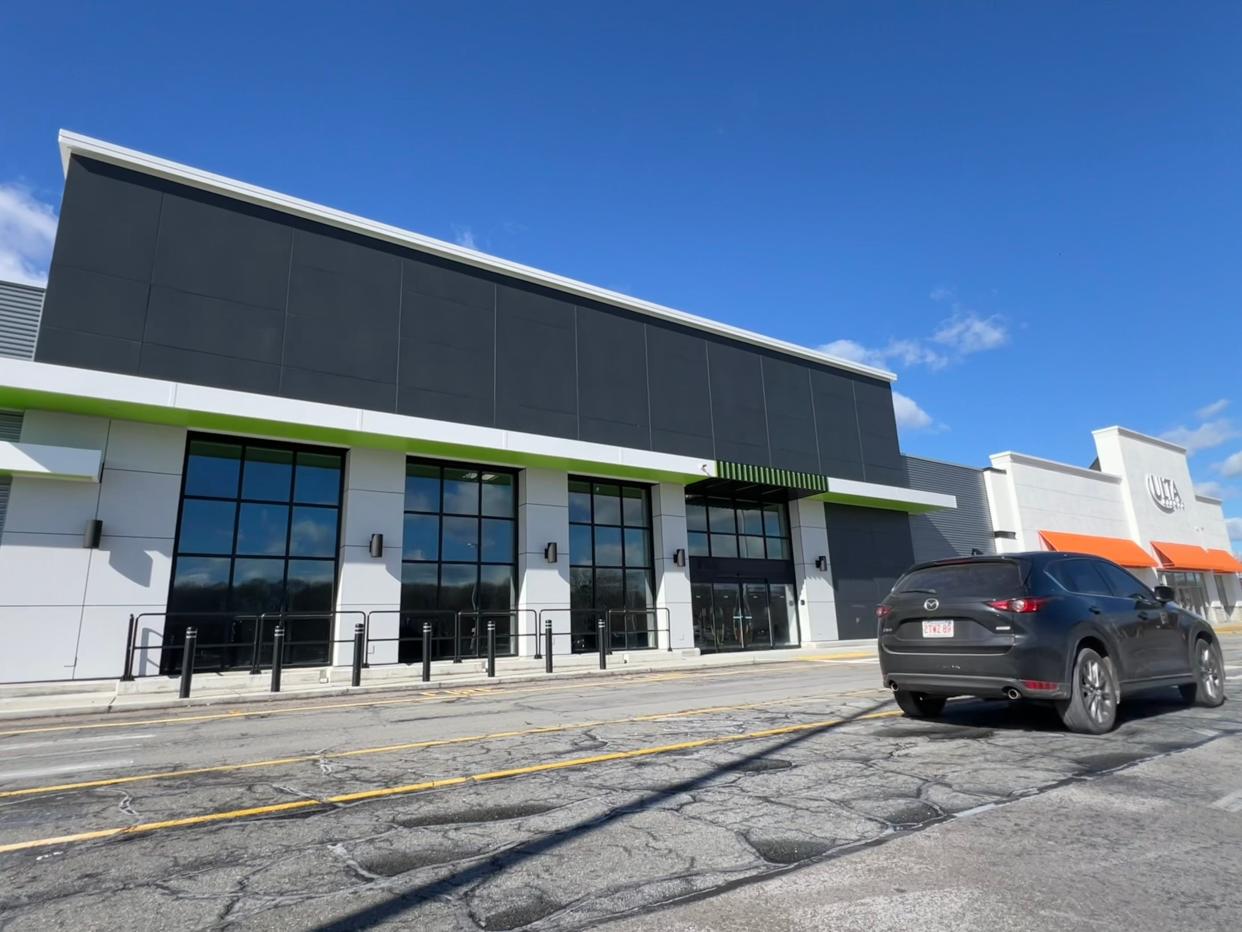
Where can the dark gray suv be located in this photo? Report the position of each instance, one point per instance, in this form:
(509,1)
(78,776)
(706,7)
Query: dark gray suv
(1071,629)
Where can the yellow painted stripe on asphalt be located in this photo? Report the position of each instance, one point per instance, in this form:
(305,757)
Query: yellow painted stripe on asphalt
(461,692)
(392,748)
(411,788)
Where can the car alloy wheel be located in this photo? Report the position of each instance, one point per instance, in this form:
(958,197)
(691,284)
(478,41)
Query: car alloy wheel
(1208,670)
(1096,688)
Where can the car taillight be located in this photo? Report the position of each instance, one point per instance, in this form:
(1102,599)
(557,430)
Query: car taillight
(883,611)
(1023,606)
(1040,686)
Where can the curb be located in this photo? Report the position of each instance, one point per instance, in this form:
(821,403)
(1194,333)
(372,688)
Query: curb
(109,701)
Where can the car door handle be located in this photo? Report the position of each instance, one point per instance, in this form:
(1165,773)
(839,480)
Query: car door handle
(1143,616)
(1095,609)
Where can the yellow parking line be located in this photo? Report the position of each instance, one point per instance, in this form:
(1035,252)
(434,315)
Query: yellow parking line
(856,655)
(410,788)
(465,692)
(393,748)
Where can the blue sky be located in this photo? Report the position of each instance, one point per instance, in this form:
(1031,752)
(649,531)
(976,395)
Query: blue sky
(1030,210)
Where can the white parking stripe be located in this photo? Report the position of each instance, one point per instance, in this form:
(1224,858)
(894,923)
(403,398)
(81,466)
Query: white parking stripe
(63,742)
(1230,803)
(64,768)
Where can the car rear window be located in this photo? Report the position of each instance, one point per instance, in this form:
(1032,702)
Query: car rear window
(964,579)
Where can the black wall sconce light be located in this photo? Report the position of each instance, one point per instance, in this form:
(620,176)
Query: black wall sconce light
(679,557)
(377,545)
(93,534)
(821,563)
(549,552)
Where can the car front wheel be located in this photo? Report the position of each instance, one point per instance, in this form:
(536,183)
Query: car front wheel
(1092,706)
(919,705)
(1208,689)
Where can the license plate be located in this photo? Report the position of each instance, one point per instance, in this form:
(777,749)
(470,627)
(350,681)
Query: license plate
(938,629)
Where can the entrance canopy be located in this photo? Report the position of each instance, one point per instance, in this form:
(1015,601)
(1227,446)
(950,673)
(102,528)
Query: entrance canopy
(1121,551)
(1195,559)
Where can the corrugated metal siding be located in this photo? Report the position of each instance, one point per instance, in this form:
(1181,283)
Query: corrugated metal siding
(21,306)
(10,429)
(951,532)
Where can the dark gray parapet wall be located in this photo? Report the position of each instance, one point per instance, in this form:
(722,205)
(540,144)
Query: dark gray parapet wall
(155,278)
(951,532)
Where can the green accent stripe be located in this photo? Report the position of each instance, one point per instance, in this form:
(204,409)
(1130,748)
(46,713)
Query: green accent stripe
(30,400)
(768,475)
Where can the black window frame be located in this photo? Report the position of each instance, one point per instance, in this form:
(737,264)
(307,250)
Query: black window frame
(629,628)
(458,633)
(738,504)
(238,623)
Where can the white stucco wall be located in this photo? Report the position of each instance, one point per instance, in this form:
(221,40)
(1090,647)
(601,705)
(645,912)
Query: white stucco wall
(64,609)
(1030,495)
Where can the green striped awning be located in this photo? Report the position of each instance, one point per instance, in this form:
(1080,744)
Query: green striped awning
(768,475)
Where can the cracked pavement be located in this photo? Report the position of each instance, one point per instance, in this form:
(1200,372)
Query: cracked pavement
(837,777)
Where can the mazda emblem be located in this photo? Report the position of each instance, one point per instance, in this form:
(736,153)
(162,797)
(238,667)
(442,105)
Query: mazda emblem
(931,604)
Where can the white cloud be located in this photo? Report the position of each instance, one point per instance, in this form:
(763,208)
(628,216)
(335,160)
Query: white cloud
(909,414)
(1234,526)
(464,236)
(968,333)
(27,230)
(1212,488)
(1232,466)
(1204,437)
(1207,412)
(962,334)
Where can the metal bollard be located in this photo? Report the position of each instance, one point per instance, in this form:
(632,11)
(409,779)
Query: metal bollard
(426,652)
(278,656)
(600,626)
(130,638)
(360,646)
(187,660)
(547,645)
(491,648)
(255,667)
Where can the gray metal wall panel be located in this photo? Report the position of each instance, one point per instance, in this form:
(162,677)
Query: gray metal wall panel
(868,549)
(10,429)
(612,379)
(940,535)
(20,309)
(159,279)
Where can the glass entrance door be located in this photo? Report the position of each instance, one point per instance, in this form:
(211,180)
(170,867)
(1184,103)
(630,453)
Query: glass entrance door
(744,615)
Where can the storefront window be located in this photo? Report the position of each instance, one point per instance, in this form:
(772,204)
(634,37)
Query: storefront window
(258,534)
(610,564)
(730,527)
(1189,590)
(458,559)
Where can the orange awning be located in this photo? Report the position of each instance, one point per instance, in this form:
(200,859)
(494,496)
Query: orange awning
(1226,562)
(1193,558)
(1118,549)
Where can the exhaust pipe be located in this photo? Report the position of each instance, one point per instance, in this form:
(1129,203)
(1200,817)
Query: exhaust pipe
(892,685)
(1011,693)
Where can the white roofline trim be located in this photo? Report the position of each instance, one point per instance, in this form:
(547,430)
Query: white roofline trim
(891,493)
(1135,435)
(1209,499)
(75,144)
(1028,460)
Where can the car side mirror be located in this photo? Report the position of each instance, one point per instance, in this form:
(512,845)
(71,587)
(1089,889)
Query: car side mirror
(1165,594)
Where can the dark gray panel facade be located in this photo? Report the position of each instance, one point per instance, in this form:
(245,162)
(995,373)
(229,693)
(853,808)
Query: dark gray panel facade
(952,532)
(739,416)
(536,383)
(791,416)
(158,279)
(681,402)
(612,379)
(10,429)
(869,549)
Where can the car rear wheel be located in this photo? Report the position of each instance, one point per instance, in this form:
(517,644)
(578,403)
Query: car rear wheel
(1092,706)
(1208,689)
(919,705)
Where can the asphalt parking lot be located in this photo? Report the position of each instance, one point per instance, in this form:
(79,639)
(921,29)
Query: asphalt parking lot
(783,796)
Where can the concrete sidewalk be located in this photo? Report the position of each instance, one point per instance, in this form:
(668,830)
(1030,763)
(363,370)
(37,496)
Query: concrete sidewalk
(42,700)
